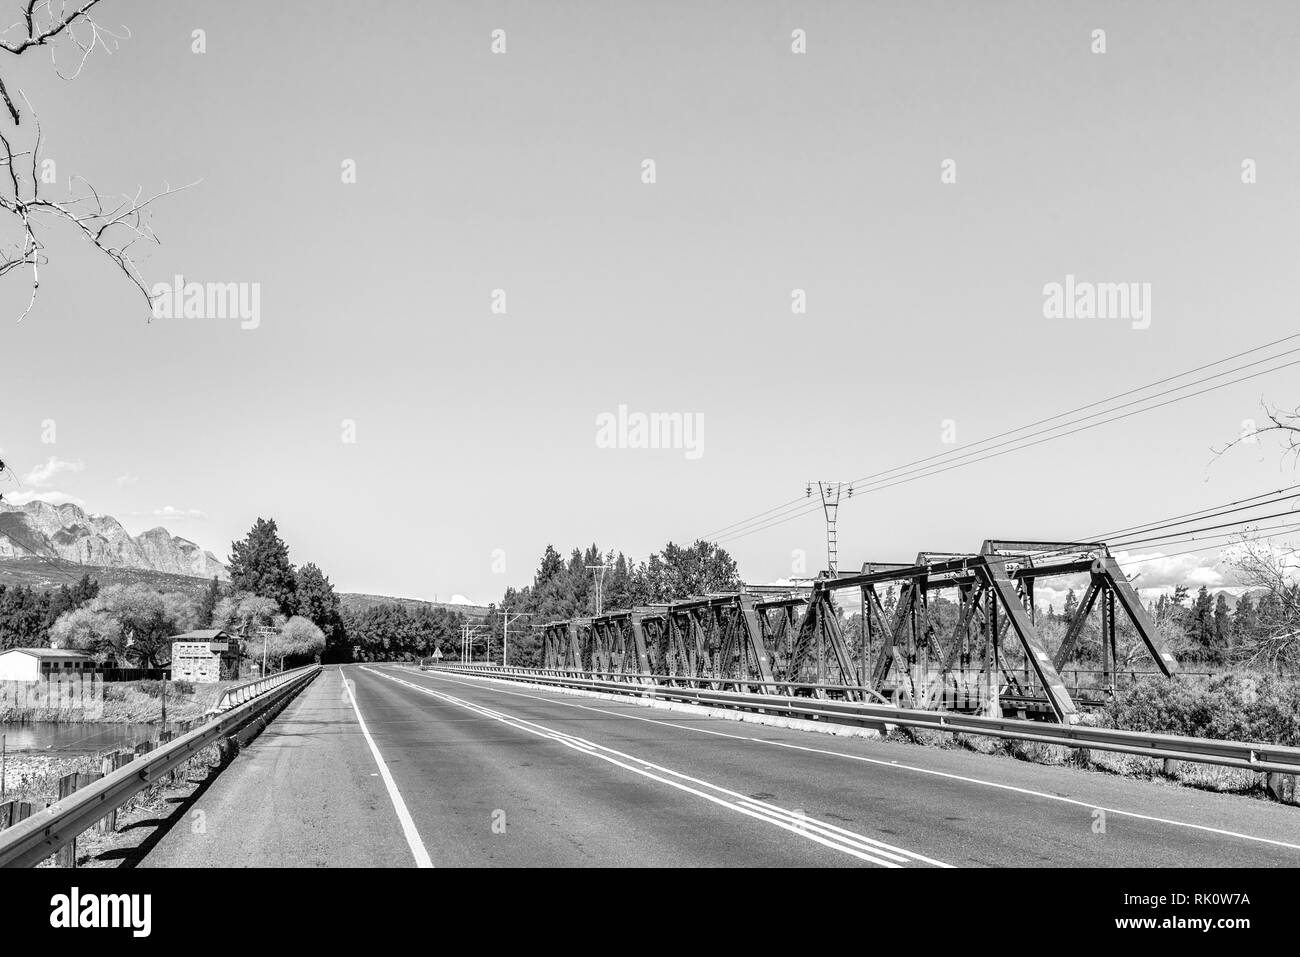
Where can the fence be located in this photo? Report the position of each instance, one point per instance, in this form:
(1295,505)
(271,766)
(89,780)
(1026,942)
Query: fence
(251,689)
(134,674)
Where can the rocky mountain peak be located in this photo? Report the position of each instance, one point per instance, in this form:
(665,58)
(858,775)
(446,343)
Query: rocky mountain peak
(68,532)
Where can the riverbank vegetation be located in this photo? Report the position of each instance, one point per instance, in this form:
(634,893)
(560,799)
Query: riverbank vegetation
(124,702)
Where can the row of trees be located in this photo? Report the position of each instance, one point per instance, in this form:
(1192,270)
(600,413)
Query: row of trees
(27,615)
(282,613)
(567,589)
(297,615)
(1261,630)
(395,631)
(302,615)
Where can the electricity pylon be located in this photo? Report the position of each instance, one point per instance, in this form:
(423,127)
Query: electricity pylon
(830,493)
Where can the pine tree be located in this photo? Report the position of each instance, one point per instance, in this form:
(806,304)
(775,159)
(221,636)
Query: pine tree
(551,567)
(1071,605)
(318,603)
(260,564)
(1222,627)
(208,604)
(1244,619)
(1202,624)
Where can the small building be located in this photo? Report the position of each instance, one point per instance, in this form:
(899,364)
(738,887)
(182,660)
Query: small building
(204,656)
(34,664)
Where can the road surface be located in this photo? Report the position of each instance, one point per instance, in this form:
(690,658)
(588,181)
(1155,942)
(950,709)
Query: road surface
(381,765)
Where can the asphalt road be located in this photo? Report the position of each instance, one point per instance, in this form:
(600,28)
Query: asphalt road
(453,771)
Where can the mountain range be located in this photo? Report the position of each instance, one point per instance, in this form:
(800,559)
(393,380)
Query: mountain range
(68,532)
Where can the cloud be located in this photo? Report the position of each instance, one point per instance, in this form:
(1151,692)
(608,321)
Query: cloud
(49,498)
(1153,574)
(170,511)
(1157,572)
(42,474)
(124,480)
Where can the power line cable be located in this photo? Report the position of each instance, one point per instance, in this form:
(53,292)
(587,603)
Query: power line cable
(788,507)
(991,455)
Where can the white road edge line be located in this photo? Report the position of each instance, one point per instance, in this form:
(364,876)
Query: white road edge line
(828,835)
(413,839)
(479,682)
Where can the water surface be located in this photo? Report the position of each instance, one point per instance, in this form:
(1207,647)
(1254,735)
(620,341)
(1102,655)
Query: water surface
(65,738)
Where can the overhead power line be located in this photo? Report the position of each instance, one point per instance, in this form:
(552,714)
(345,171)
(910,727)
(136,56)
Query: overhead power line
(787,507)
(1020,444)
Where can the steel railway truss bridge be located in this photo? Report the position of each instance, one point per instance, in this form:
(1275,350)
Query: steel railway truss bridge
(992,658)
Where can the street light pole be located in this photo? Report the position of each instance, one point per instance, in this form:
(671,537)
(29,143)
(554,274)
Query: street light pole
(599,573)
(505,630)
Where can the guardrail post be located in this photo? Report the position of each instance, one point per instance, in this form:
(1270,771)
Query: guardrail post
(107,765)
(67,854)
(11,812)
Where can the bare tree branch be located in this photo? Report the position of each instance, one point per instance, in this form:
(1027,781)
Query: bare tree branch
(1274,571)
(116,227)
(1285,425)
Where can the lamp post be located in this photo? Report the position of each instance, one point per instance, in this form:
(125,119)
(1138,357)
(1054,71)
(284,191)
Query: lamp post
(598,572)
(505,629)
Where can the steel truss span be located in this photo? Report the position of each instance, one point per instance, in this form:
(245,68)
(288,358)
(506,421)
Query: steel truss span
(791,640)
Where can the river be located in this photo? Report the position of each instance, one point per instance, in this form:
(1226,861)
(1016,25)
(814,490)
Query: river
(67,738)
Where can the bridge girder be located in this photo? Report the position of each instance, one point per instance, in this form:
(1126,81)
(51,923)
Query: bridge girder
(769,635)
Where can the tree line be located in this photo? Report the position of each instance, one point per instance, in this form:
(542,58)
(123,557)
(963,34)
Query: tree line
(28,614)
(293,615)
(564,589)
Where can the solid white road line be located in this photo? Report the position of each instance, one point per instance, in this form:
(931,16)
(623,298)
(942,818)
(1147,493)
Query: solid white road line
(495,682)
(828,835)
(413,839)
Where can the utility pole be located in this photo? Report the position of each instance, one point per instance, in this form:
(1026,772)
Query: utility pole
(505,629)
(599,572)
(467,644)
(830,494)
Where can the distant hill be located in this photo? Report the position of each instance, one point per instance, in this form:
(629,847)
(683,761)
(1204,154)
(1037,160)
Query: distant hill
(50,545)
(67,533)
(48,573)
(355,603)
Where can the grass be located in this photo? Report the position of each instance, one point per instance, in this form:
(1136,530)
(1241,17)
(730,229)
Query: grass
(48,574)
(1205,777)
(35,777)
(125,701)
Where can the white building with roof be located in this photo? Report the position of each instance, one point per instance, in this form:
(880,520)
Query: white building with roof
(34,664)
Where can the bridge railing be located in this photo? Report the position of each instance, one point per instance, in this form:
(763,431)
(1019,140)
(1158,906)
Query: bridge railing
(1265,758)
(248,690)
(625,678)
(33,840)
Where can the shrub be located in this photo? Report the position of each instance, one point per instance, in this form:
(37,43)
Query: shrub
(1236,706)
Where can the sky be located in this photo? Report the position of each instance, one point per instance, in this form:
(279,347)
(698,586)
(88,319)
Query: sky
(431,391)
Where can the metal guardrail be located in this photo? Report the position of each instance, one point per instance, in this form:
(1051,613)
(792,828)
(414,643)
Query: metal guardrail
(33,840)
(251,689)
(815,689)
(1265,758)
